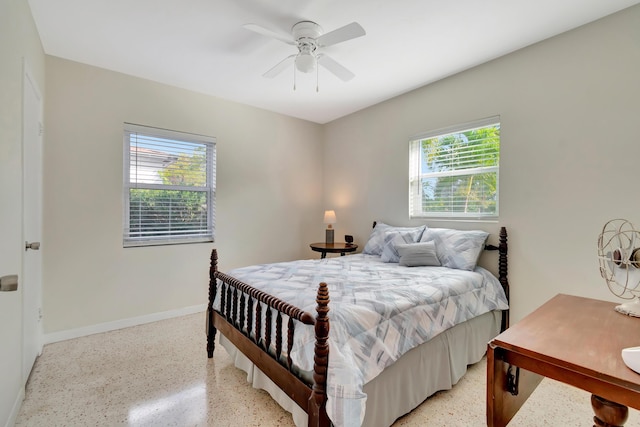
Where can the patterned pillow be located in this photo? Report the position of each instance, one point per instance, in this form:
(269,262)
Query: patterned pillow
(398,237)
(375,244)
(457,248)
(376,239)
(418,254)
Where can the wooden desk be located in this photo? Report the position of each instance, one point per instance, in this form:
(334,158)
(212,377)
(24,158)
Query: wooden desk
(570,339)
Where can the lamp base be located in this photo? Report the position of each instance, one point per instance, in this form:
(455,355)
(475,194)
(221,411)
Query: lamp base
(328,235)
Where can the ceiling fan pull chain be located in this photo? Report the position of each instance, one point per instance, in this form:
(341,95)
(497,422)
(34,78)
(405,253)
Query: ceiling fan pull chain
(294,76)
(317,73)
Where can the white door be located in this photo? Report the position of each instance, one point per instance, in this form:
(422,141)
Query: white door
(11,250)
(32,222)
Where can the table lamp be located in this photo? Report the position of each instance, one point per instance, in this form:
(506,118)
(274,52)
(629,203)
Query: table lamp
(329,219)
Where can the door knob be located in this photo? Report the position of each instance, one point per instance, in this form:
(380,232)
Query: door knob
(33,245)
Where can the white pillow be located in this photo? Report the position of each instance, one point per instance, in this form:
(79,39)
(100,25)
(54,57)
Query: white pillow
(457,248)
(392,238)
(418,254)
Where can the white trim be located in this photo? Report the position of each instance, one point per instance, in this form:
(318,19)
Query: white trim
(37,340)
(462,127)
(164,242)
(13,415)
(121,324)
(166,133)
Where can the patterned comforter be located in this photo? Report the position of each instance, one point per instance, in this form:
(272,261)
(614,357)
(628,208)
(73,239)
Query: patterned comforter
(378,312)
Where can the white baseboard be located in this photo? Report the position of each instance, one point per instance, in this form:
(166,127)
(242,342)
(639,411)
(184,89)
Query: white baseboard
(120,324)
(13,416)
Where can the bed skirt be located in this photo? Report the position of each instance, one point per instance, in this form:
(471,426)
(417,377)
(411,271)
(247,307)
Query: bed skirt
(435,365)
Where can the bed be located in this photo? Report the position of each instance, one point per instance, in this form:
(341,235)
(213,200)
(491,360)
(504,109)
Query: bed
(408,315)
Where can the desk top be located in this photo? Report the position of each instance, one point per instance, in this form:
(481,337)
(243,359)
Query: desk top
(581,335)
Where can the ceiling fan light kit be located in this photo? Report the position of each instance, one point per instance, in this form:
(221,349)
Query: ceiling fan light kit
(305,62)
(309,38)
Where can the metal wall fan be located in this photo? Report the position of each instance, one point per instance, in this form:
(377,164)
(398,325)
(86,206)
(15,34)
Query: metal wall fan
(309,38)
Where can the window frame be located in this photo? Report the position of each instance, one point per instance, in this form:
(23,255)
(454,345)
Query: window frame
(416,175)
(209,188)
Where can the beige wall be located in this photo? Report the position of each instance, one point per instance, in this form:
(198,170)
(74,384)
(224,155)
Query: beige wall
(569,109)
(269,191)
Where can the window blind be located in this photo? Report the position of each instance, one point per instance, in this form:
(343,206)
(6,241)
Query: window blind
(169,189)
(454,173)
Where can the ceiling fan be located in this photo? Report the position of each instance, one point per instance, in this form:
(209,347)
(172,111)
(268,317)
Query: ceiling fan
(309,38)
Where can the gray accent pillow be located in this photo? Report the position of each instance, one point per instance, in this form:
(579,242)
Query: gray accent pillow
(395,237)
(418,254)
(375,244)
(457,248)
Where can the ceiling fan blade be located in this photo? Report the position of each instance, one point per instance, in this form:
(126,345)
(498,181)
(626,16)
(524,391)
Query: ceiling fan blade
(279,67)
(270,33)
(348,32)
(330,64)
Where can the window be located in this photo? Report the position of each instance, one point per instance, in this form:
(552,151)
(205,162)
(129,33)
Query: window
(453,173)
(169,187)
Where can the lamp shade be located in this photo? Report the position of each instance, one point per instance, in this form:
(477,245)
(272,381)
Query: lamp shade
(329,217)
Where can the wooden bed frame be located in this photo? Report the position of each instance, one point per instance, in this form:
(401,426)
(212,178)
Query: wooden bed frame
(239,303)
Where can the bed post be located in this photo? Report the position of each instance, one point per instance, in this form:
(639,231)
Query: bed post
(317,410)
(211,330)
(502,273)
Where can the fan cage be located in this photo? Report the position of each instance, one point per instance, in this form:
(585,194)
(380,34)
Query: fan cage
(619,258)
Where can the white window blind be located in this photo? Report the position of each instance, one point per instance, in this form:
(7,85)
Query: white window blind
(453,172)
(169,186)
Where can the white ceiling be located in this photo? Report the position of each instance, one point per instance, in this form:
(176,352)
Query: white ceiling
(201,45)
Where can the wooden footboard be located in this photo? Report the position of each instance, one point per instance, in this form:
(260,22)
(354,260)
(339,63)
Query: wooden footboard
(239,319)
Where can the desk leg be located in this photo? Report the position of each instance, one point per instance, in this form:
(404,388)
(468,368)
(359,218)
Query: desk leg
(608,414)
(323,255)
(502,405)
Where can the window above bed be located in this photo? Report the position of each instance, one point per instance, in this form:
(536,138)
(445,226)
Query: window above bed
(453,172)
(169,187)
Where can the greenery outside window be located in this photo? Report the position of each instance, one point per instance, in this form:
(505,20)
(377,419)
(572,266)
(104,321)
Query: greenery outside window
(453,172)
(169,187)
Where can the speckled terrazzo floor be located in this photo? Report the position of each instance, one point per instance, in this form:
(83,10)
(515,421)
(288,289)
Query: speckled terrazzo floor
(158,375)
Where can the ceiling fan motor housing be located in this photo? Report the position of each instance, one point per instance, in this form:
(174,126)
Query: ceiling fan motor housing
(306,30)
